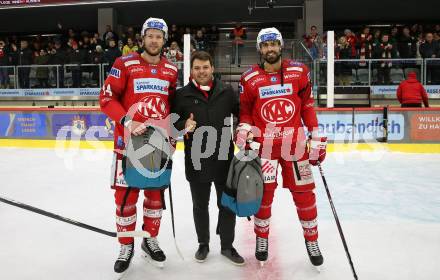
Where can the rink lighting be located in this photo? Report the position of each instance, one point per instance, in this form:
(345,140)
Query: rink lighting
(74,3)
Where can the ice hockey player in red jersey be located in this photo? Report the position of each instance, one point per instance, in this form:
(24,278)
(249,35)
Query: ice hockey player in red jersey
(276,103)
(138,90)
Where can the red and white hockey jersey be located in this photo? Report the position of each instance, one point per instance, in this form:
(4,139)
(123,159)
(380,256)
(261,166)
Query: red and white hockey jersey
(137,88)
(278,106)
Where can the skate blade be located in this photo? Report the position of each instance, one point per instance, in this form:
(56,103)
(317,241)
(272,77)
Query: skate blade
(318,268)
(200,261)
(120,276)
(153,262)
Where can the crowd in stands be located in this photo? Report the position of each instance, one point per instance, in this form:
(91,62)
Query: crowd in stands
(395,42)
(77,51)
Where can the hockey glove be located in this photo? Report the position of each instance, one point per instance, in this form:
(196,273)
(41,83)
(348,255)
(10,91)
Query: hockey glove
(317,152)
(243,134)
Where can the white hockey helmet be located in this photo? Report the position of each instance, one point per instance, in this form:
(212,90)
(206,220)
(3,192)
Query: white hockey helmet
(156,23)
(269,34)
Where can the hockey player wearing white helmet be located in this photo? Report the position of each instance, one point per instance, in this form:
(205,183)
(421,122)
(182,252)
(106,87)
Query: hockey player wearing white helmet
(147,83)
(155,35)
(276,104)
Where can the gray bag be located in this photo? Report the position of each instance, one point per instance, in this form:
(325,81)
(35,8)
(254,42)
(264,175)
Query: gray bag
(147,161)
(244,185)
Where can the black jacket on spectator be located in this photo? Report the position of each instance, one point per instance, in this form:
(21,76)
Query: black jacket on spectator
(407,47)
(212,111)
(111,54)
(427,50)
(344,67)
(379,51)
(76,57)
(58,56)
(201,44)
(25,57)
(87,53)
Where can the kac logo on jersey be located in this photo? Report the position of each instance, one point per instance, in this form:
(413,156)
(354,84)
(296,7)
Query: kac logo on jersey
(115,72)
(275,90)
(278,110)
(153,107)
(273,79)
(151,85)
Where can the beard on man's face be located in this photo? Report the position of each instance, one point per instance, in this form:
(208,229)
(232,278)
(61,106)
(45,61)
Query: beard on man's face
(153,51)
(272,57)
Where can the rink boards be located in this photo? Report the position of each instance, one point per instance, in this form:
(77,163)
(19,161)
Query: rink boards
(409,130)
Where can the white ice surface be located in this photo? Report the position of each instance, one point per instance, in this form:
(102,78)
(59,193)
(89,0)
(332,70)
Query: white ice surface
(388,204)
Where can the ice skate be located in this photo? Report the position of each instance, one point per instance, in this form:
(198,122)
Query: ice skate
(261,250)
(153,253)
(315,255)
(124,259)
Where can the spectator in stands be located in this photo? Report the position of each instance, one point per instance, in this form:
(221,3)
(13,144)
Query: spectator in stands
(86,52)
(76,56)
(411,92)
(343,69)
(431,49)
(377,37)
(4,62)
(109,34)
(200,41)
(351,39)
(407,44)
(24,57)
(394,36)
(313,42)
(111,53)
(204,30)
(42,73)
(188,30)
(58,56)
(129,47)
(173,53)
(130,32)
(175,56)
(415,30)
(97,58)
(96,41)
(384,50)
(237,35)
(365,45)
(174,34)
(213,37)
(140,45)
(71,35)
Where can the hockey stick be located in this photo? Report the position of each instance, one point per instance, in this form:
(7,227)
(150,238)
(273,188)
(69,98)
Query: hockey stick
(172,224)
(384,139)
(341,234)
(73,222)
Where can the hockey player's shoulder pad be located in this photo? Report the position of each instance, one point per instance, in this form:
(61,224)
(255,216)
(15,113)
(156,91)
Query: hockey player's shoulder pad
(169,65)
(131,59)
(252,72)
(294,66)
